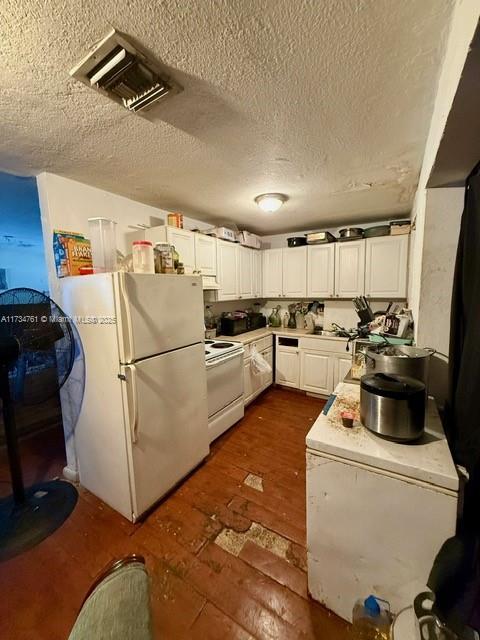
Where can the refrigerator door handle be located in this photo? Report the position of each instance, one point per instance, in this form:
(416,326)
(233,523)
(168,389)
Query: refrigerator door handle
(132,390)
(127,318)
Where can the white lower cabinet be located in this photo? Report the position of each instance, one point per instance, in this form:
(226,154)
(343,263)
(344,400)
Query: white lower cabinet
(254,384)
(316,371)
(287,368)
(343,366)
(313,364)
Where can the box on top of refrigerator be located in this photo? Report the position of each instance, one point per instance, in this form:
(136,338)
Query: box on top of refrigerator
(71,251)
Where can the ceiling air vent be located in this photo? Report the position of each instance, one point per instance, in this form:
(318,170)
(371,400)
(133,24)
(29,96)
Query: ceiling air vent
(117,69)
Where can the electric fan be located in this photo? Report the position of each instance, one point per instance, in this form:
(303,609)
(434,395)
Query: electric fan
(37,352)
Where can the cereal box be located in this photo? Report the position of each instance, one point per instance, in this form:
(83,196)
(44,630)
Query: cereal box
(71,251)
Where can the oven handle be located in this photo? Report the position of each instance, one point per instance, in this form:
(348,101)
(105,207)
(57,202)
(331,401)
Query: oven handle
(225,358)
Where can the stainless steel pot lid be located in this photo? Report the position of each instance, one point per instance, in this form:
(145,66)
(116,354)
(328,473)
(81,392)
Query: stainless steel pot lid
(391,386)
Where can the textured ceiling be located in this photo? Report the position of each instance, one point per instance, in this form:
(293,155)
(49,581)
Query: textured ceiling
(328,101)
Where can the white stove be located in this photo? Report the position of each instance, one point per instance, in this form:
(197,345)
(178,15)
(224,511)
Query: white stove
(224,361)
(218,348)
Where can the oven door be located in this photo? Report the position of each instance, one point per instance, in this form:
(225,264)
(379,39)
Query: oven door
(224,381)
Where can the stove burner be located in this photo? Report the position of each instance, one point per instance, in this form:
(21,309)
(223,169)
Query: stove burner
(208,341)
(222,345)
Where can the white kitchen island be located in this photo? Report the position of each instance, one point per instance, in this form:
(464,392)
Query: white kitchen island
(377,511)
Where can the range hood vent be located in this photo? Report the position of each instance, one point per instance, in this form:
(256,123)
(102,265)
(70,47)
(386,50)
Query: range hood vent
(117,69)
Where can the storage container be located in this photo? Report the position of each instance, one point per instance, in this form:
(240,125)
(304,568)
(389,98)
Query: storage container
(223,233)
(143,261)
(175,220)
(248,239)
(103,244)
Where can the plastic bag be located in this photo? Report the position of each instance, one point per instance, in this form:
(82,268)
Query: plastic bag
(258,364)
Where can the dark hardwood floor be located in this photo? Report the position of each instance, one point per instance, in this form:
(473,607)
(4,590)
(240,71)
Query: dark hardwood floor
(250,583)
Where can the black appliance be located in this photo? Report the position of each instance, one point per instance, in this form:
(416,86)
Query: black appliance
(233,326)
(236,326)
(256,321)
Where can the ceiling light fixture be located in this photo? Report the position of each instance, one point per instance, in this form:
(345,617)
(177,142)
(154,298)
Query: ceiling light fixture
(271,202)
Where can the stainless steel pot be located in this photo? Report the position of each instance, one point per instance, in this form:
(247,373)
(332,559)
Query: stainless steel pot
(399,360)
(392,406)
(351,233)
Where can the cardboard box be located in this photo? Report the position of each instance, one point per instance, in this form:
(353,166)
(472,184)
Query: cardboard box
(223,233)
(71,251)
(248,239)
(400,229)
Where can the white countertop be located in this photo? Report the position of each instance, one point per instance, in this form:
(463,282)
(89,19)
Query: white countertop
(428,460)
(257,334)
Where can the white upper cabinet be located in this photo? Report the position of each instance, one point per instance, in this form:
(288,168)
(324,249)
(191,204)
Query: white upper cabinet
(349,269)
(182,239)
(294,270)
(227,270)
(386,267)
(184,243)
(245,272)
(257,274)
(272,273)
(321,271)
(205,254)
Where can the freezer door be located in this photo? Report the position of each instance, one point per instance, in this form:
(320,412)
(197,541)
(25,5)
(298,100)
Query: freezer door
(166,400)
(157,313)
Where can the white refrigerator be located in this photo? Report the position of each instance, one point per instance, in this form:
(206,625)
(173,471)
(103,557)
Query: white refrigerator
(143,425)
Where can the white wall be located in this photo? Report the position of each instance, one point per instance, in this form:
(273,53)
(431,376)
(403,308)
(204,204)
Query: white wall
(443,212)
(436,212)
(67,204)
(464,22)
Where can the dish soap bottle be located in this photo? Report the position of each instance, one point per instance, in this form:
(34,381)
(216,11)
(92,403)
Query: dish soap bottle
(370,621)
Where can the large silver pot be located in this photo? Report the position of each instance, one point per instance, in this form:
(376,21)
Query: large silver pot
(393,406)
(399,360)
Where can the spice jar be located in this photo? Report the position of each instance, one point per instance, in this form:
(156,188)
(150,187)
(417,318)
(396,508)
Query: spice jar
(165,254)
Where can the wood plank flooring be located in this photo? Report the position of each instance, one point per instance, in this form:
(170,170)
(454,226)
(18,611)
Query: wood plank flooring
(198,589)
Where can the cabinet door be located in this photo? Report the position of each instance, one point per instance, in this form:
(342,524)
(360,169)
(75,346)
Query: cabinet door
(294,269)
(205,254)
(245,272)
(287,367)
(184,243)
(386,267)
(316,371)
(257,273)
(227,270)
(342,367)
(321,271)
(247,381)
(272,273)
(267,378)
(349,269)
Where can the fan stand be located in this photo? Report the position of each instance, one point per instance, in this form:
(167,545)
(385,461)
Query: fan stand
(29,515)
